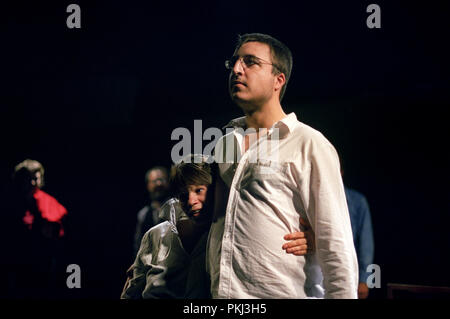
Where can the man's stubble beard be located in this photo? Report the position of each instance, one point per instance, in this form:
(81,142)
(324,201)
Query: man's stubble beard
(248,107)
(158,195)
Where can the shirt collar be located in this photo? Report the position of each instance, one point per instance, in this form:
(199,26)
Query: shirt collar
(285,125)
(236,123)
(172,211)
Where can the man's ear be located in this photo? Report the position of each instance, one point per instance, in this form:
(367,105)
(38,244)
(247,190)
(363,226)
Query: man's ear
(280,80)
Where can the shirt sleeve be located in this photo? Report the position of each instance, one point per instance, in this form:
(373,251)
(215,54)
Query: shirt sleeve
(326,207)
(136,282)
(365,248)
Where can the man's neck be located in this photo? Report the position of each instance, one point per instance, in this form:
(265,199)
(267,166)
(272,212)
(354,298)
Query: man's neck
(265,116)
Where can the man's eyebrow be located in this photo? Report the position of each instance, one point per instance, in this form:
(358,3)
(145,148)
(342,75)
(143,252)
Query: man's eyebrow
(246,55)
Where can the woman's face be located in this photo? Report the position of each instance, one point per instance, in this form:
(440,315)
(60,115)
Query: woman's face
(194,202)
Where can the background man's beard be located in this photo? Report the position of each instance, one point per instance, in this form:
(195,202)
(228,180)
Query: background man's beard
(158,195)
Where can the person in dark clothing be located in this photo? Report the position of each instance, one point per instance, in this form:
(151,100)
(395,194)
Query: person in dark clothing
(34,235)
(157,184)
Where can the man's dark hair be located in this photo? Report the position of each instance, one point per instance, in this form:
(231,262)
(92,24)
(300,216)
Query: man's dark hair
(281,55)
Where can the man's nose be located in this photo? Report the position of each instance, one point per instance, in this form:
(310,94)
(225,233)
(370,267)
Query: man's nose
(238,68)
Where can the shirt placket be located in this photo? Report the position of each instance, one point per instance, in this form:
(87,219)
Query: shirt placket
(230,216)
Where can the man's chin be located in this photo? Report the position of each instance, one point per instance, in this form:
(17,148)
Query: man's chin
(239,99)
(236,95)
(158,196)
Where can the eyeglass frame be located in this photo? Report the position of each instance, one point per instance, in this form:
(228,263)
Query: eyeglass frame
(229,65)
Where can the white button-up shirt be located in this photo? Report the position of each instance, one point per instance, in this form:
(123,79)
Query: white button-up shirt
(267,194)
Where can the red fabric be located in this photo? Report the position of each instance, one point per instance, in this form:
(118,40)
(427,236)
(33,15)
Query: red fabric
(49,208)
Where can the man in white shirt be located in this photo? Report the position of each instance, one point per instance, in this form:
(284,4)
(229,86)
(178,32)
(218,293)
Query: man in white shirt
(261,195)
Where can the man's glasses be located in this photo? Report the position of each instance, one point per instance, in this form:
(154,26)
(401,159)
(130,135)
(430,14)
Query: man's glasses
(247,61)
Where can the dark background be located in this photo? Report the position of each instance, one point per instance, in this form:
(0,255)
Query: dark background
(97,105)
